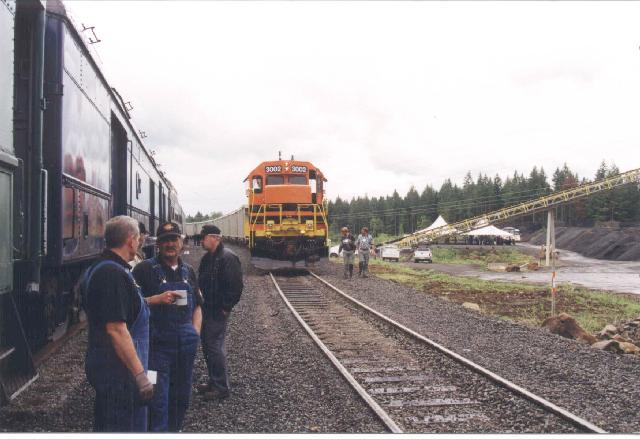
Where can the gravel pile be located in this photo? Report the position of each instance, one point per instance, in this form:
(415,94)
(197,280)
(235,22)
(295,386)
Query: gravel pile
(598,386)
(281,382)
(615,244)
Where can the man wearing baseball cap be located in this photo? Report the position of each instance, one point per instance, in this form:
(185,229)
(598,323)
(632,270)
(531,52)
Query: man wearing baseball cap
(220,280)
(171,290)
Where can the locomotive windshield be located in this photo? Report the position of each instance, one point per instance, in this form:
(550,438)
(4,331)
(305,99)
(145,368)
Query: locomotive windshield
(275,179)
(297,179)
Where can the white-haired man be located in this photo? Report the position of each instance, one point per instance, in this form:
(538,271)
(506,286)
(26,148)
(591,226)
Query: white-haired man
(118,351)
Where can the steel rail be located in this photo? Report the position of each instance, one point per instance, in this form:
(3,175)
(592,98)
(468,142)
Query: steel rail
(379,411)
(514,388)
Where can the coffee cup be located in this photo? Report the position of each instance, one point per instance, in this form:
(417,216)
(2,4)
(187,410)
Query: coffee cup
(182,299)
(153,376)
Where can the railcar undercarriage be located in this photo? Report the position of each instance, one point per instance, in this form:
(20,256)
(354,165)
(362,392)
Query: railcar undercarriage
(286,252)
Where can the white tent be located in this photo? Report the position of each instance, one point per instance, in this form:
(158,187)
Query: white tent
(439,222)
(489,231)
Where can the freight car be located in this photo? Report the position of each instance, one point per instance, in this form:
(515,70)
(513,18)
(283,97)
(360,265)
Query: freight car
(70,159)
(285,219)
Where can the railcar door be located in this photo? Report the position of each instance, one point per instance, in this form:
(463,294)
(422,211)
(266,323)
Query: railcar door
(118,168)
(152,206)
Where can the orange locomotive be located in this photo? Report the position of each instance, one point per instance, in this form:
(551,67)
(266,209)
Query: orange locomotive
(286,216)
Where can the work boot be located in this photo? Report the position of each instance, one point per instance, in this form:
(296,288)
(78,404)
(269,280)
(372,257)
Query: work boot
(203,388)
(350,271)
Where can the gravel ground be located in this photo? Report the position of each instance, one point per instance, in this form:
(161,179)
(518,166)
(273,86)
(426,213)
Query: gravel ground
(394,361)
(281,382)
(596,385)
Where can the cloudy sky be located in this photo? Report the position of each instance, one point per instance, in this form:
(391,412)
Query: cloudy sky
(380,96)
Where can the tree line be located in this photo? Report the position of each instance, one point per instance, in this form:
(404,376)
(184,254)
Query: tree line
(200,217)
(396,215)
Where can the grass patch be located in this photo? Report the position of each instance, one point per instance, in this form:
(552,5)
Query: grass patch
(480,256)
(525,303)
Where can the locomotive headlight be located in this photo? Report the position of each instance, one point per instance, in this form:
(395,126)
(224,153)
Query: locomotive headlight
(309,225)
(270,224)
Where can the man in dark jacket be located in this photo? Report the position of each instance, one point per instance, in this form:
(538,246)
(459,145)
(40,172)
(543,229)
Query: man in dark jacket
(348,249)
(220,280)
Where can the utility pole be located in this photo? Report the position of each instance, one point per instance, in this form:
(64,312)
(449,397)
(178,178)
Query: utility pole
(551,254)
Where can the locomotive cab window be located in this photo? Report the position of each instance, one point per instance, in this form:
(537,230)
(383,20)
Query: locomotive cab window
(275,180)
(297,179)
(256,184)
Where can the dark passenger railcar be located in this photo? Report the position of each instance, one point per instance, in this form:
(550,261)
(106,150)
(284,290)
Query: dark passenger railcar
(78,162)
(16,365)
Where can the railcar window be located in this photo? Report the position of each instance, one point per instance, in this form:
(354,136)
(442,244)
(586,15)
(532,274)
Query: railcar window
(6,238)
(69,213)
(275,179)
(297,179)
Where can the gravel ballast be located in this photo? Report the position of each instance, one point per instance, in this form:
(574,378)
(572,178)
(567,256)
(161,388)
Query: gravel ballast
(281,382)
(598,386)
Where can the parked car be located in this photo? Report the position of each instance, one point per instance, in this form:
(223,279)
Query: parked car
(333,252)
(422,254)
(390,253)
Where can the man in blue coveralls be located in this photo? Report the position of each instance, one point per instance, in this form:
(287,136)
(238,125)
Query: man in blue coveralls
(170,288)
(118,317)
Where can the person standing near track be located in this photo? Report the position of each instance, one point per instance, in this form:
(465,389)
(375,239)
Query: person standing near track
(220,279)
(348,248)
(171,290)
(118,320)
(364,243)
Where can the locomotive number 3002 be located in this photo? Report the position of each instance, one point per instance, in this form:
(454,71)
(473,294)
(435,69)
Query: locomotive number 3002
(276,168)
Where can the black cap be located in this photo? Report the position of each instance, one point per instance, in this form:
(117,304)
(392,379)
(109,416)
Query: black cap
(168,230)
(210,229)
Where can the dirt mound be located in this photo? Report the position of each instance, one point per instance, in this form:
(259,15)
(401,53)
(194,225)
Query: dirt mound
(614,244)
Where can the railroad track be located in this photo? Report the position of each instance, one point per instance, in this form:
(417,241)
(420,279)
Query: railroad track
(413,384)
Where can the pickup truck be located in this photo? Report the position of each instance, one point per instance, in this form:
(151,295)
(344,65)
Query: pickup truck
(423,254)
(333,252)
(390,253)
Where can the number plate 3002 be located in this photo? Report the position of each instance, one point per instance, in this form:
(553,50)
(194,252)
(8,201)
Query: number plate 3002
(271,169)
(298,169)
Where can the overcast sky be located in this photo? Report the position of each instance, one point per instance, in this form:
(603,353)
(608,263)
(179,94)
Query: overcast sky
(380,96)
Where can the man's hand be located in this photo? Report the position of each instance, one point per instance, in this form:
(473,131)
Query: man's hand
(166,298)
(145,388)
